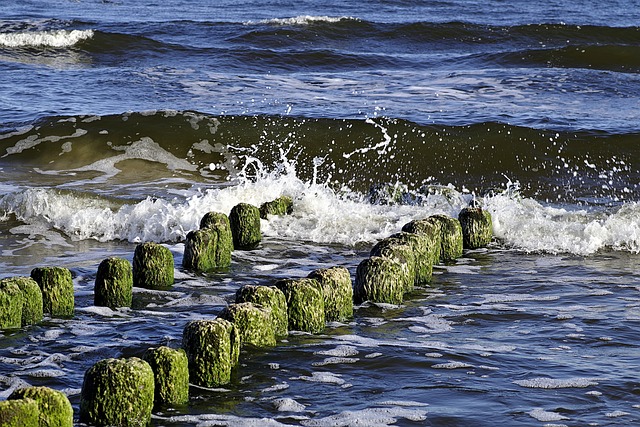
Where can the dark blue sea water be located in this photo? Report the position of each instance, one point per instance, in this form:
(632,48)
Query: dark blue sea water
(126,121)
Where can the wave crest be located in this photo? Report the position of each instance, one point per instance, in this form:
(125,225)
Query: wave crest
(54,38)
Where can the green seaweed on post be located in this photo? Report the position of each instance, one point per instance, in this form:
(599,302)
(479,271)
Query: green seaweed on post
(118,392)
(171,372)
(56,284)
(271,297)
(153,266)
(337,290)
(53,406)
(253,322)
(305,304)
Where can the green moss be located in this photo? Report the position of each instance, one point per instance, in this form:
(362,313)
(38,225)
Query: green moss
(152,266)
(32,309)
(19,413)
(245,226)
(379,280)
(431,229)
(213,349)
(209,248)
(253,322)
(337,291)
(401,252)
(271,297)
(215,220)
(54,406)
(171,371)
(451,234)
(11,303)
(114,283)
(283,205)
(305,304)
(422,248)
(117,392)
(56,284)
(477,228)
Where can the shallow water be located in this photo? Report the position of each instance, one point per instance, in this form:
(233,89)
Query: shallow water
(124,122)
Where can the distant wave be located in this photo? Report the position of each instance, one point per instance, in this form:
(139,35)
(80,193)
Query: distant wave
(302,20)
(54,38)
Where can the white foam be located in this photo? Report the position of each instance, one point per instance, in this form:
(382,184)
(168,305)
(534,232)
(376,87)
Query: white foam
(322,377)
(335,361)
(452,365)
(339,351)
(528,225)
(370,417)
(300,20)
(546,416)
(286,404)
(551,383)
(54,38)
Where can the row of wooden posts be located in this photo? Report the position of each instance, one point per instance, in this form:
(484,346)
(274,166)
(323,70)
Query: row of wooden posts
(260,314)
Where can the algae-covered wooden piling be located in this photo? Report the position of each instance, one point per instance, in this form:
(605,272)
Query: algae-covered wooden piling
(337,291)
(11,304)
(403,254)
(114,283)
(283,205)
(171,372)
(305,304)
(245,226)
(431,230)
(477,228)
(56,284)
(117,392)
(213,349)
(271,297)
(152,266)
(451,234)
(379,279)
(253,322)
(210,247)
(19,413)
(54,407)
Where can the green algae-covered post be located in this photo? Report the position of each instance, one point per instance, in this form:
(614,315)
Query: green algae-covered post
(431,229)
(210,247)
(451,233)
(53,406)
(32,309)
(401,252)
(152,266)
(56,284)
(117,392)
(171,371)
(305,304)
(477,228)
(379,279)
(271,297)
(213,349)
(216,220)
(114,283)
(245,226)
(337,291)
(422,248)
(283,205)
(253,322)
(19,413)
(11,303)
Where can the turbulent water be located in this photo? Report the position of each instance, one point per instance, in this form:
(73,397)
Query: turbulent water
(123,122)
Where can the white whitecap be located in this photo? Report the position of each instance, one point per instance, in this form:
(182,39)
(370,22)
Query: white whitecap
(53,38)
(546,416)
